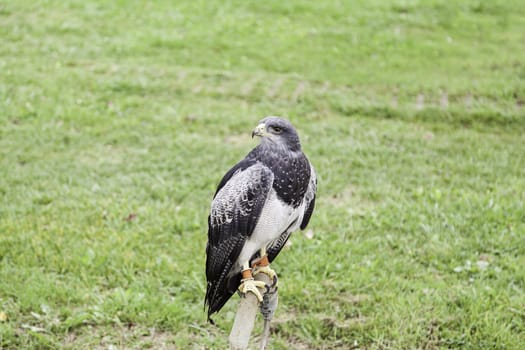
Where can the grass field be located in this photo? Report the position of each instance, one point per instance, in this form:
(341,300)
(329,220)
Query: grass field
(118,119)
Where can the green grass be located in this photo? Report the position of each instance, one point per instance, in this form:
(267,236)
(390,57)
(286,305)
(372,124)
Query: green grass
(118,119)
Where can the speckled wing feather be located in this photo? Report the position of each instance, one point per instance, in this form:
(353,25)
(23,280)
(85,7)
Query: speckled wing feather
(235,211)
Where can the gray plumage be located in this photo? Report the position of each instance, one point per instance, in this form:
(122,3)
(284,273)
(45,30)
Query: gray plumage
(258,203)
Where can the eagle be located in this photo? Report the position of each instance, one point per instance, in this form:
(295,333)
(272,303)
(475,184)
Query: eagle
(256,207)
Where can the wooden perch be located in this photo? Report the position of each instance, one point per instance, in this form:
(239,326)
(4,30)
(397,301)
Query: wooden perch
(247,311)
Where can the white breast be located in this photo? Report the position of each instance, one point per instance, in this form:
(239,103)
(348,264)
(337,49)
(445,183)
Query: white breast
(276,217)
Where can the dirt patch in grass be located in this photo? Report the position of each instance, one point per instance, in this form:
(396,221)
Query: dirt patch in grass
(117,338)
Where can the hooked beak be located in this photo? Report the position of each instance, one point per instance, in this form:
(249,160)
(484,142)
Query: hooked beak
(260,130)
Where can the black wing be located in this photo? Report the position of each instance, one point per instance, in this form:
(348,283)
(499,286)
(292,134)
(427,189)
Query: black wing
(274,249)
(235,211)
(309,198)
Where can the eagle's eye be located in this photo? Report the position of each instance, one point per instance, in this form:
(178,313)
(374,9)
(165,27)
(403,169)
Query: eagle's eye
(277,129)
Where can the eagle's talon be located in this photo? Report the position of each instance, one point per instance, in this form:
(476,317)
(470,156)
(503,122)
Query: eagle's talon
(275,282)
(268,272)
(272,288)
(251,285)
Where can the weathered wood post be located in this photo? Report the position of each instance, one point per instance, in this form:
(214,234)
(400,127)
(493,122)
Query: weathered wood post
(247,311)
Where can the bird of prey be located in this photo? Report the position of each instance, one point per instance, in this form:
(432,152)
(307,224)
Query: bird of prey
(258,204)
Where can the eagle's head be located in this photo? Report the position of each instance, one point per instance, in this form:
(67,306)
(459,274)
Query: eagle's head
(277,132)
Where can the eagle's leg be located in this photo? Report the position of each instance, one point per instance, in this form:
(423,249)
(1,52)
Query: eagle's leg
(263,265)
(248,284)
